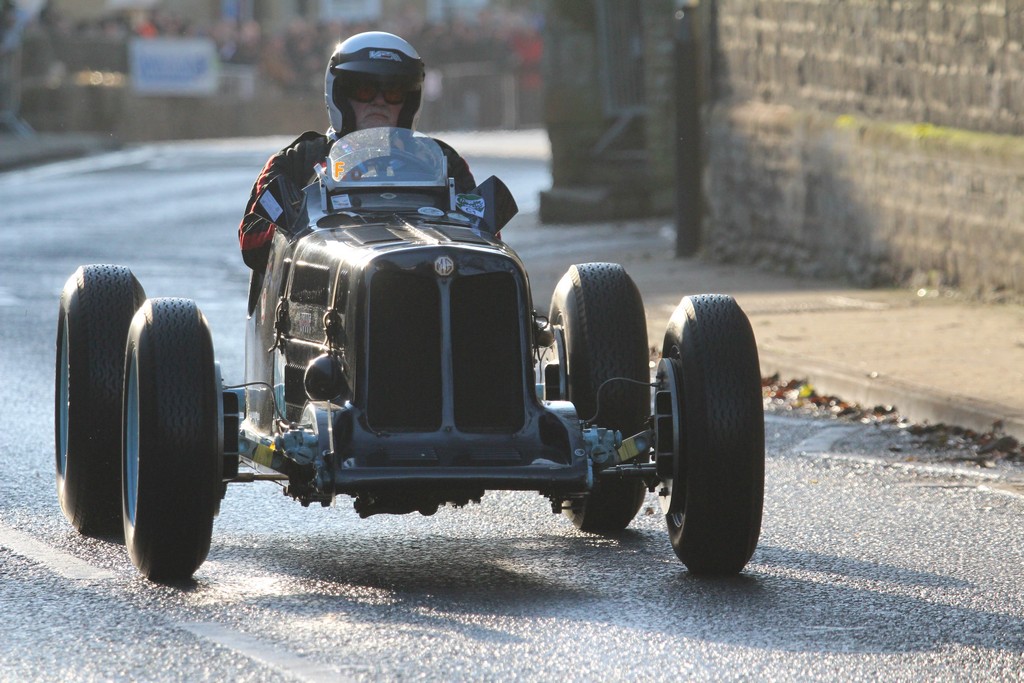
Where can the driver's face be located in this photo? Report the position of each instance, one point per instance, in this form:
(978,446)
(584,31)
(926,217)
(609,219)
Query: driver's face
(375,113)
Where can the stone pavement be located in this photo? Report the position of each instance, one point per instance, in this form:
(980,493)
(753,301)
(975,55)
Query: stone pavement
(934,356)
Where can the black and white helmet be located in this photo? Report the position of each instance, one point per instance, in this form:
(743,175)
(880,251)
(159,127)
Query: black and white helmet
(375,56)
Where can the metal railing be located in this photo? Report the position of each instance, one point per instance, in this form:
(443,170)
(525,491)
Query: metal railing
(621,53)
(471,96)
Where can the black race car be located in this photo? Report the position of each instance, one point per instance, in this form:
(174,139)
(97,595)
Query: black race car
(394,355)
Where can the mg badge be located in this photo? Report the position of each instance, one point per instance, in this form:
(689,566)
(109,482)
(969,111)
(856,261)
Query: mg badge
(444,266)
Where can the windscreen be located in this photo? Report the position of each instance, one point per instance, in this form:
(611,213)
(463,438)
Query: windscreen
(383,157)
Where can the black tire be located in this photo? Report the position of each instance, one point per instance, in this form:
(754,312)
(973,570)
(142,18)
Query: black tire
(714,525)
(96,308)
(171,459)
(601,314)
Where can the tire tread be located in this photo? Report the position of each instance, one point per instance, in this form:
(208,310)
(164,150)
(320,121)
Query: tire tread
(97,303)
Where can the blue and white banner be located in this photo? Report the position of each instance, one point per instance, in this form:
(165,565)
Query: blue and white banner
(350,10)
(174,66)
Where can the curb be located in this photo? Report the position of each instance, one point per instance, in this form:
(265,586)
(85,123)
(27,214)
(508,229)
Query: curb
(1004,480)
(43,148)
(913,402)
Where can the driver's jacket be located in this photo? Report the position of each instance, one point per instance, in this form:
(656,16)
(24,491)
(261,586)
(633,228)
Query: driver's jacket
(281,180)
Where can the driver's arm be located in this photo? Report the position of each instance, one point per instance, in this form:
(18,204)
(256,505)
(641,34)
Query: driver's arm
(274,193)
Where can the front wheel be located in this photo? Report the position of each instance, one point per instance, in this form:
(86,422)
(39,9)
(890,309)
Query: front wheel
(171,450)
(601,316)
(710,420)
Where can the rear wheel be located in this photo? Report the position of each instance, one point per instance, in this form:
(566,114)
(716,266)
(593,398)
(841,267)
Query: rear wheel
(171,454)
(713,493)
(601,315)
(96,308)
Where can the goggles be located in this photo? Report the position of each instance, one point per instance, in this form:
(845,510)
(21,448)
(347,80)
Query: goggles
(367,92)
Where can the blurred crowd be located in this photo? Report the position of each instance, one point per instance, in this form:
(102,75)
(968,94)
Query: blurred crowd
(294,58)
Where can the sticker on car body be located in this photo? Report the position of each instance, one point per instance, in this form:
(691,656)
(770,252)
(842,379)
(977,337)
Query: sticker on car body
(472,204)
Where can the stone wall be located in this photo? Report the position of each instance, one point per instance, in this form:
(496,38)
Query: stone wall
(875,141)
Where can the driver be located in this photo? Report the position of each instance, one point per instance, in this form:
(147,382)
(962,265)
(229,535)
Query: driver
(373,79)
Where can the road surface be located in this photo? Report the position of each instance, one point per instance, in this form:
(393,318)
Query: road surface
(865,570)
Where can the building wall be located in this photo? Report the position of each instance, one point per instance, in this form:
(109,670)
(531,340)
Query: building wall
(874,141)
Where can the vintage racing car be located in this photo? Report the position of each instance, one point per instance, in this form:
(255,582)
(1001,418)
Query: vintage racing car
(394,355)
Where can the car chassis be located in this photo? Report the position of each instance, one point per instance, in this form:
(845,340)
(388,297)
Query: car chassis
(393,354)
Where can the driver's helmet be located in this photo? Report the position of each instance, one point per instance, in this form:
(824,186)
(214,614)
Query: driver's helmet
(377,57)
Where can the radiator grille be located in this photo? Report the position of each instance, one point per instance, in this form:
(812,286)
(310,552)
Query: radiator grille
(488,376)
(405,362)
(405,353)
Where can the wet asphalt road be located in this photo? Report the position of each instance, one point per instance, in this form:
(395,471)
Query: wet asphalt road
(865,570)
